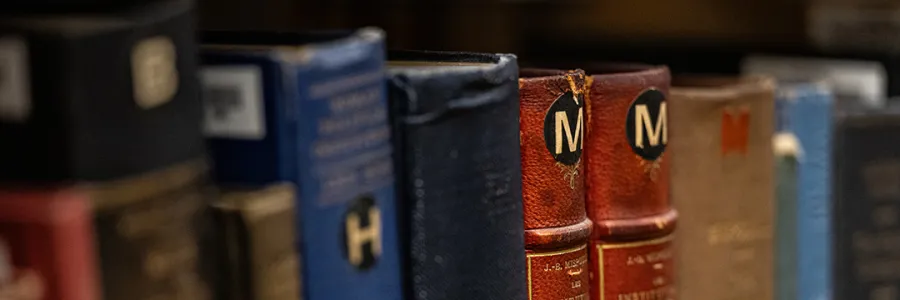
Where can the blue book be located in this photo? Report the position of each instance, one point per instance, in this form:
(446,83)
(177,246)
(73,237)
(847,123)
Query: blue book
(312,110)
(805,113)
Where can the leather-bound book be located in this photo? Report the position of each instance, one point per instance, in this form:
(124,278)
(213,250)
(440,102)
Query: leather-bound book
(256,243)
(803,232)
(552,121)
(47,245)
(311,109)
(866,187)
(627,182)
(98,96)
(153,234)
(722,185)
(456,131)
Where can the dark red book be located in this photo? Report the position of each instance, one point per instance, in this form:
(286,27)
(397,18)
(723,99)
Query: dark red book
(46,245)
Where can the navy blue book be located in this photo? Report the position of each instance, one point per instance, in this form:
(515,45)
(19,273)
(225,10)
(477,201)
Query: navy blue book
(867,204)
(311,109)
(805,116)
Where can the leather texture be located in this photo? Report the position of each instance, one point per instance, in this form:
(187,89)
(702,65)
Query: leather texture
(627,193)
(805,110)
(47,240)
(556,226)
(105,101)
(865,189)
(327,132)
(722,186)
(456,137)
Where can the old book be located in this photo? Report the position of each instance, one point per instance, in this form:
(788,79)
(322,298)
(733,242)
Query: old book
(456,131)
(47,245)
(804,119)
(256,242)
(552,121)
(311,109)
(627,182)
(98,96)
(866,196)
(723,187)
(153,234)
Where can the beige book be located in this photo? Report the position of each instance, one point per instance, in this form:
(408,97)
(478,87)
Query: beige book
(723,187)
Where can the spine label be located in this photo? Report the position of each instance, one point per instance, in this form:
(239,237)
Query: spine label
(636,270)
(558,275)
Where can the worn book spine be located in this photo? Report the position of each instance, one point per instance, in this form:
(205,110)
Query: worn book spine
(866,197)
(151,230)
(787,152)
(552,121)
(461,194)
(47,245)
(805,113)
(315,116)
(99,96)
(256,241)
(723,187)
(627,182)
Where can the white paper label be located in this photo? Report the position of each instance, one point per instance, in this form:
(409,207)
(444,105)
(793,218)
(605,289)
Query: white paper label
(15,89)
(233,102)
(855,79)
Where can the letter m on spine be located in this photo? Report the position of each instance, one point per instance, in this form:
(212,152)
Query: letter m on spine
(642,122)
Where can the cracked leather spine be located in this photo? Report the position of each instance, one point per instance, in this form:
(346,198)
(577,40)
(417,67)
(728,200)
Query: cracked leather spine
(456,134)
(552,122)
(627,182)
(722,184)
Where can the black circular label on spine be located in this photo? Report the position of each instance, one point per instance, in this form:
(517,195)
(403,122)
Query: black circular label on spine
(564,128)
(361,233)
(645,125)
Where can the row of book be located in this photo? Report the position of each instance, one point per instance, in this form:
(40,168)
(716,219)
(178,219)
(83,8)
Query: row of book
(260,165)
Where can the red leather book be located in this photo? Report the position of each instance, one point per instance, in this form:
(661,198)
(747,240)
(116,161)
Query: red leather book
(552,121)
(46,245)
(627,169)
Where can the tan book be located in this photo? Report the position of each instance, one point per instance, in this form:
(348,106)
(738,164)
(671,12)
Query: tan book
(722,185)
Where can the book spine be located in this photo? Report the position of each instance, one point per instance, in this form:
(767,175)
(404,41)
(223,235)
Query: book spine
(723,187)
(348,212)
(786,149)
(473,179)
(47,245)
(261,261)
(151,231)
(866,195)
(808,110)
(627,184)
(556,227)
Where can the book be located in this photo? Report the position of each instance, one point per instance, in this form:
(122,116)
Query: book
(787,153)
(98,96)
(311,109)
(804,122)
(459,174)
(722,186)
(627,182)
(866,173)
(153,233)
(47,245)
(256,234)
(552,122)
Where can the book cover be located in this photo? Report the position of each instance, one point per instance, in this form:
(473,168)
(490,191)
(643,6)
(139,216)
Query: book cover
(552,122)
(312,110)
(152,234)
(722,186)
(256,242)
(459,174)
(804,112)
(627,182)
(98,96)
(866,193)
(47,247)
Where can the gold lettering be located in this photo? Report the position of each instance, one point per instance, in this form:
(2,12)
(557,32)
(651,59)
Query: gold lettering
(357,236)
(154,71)
(662,293)
(562,122)
(736,232)
(643,122)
